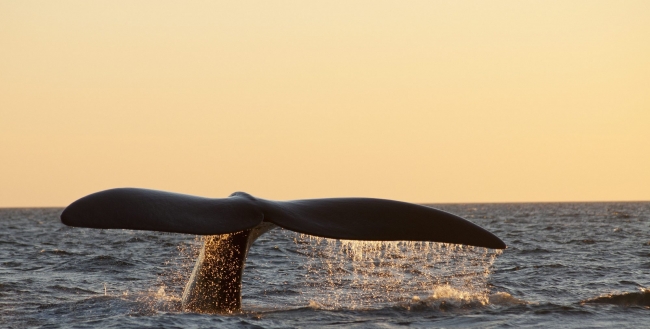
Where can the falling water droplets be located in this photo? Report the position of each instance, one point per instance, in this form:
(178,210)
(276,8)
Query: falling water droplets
(370,274)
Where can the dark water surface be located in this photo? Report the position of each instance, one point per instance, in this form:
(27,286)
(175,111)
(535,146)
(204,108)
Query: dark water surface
(568,265)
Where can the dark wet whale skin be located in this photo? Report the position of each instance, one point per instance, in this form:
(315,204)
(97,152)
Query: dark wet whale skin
(338,218)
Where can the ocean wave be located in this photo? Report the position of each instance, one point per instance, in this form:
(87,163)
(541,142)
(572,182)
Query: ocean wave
(446,297)
(638,298)
(536,250)
(582,241)
(71,290)
(108,261)
(58,252)
(504,298)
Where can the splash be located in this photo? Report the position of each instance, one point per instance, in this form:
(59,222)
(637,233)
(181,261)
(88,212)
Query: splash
(165,294)
(504,298)
(370,274)
(178,269)
(154,300)
(446,297)
(350,274)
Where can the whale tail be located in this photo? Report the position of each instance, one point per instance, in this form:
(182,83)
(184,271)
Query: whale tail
(232,224)
(337,218)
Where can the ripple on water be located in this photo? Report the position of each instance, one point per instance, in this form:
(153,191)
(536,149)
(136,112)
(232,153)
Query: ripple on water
(71,290)
(566,266)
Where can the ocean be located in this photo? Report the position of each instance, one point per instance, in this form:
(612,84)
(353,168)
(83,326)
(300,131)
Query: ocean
(567,265)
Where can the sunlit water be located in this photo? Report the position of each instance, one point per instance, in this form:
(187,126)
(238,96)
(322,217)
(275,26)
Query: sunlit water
(567,265)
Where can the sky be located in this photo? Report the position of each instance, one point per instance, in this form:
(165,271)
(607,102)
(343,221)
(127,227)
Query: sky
(420,101)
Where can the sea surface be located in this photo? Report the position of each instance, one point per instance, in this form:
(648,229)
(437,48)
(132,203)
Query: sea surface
(567,265)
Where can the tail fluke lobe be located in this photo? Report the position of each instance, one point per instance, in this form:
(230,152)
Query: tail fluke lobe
(376,219)
(143,209)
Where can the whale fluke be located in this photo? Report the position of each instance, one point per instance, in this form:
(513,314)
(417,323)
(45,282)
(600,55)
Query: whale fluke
(143,209)
(337,218)
(376,220)
(232,224)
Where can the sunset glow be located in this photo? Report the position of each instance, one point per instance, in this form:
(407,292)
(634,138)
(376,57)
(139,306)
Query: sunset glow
(421,101)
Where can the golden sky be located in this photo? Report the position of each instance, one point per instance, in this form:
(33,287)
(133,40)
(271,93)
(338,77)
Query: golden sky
(420,101)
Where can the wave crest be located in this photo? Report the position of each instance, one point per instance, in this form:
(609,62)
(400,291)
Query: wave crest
(639,298)
(445,297)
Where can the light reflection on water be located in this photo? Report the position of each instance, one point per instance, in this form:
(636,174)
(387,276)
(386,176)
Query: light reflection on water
(567,265)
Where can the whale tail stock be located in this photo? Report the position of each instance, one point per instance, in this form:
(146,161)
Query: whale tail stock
(232,224)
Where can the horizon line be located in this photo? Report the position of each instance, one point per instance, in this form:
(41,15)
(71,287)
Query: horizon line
(420,203)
